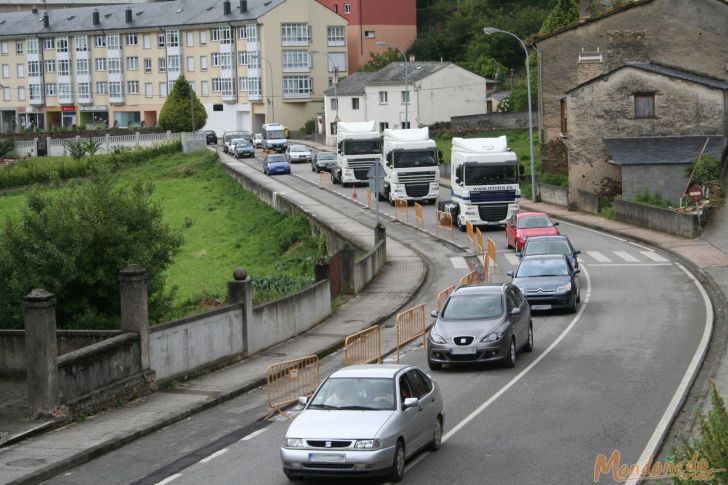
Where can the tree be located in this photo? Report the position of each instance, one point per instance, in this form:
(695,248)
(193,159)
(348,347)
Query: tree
(74,241)
(380,61)
(564,13)
(177,113)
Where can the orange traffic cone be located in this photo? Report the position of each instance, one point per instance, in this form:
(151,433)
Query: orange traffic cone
(353,194)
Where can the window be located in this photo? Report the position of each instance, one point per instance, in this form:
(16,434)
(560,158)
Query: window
(81,43)
(383,97)
(84,90)
(33,68)
(148,90)
(100,64)
(64,90)
(295,33)
(100,41)
(296,60)
(190,36)
(7,94)
(354,103)
(226,60)
(215,58)
(297,86)
(192,86)
(81,66)
(102,87)
(644,105)
(405,97)
(336,35)
(131,39)
(333,127)
(20,70)
(203,37)
(161,38)
(173,38)
(147,40)
(190,63)
(215,35)
(50,65)
(383,126)
(115,89)
(347,8)
(251,33)
(62,44)
(64,67)
(19,49)
(33,46)
(173,63)
(132,63)
(203,63)
(251,85)
(35,92)
(114,65)
(132,87)
(249,58)
(147,65)
(217,107)
(334,104)
(112,41)
(564,124)
(162,64)
(216,85)
(51,89)
(369,34)
(406,125)
(6,71)
(227,86)
(163,89)
(49,44)
(221,34)
(4,48)
(21,93)
(205,88)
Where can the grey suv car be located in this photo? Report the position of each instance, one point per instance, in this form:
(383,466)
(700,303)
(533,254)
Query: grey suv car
(481,323)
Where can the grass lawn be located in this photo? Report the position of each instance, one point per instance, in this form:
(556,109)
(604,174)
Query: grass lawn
(224,228)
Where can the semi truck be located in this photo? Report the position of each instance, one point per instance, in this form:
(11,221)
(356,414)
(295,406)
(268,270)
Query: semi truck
(485,182)
(358,147)
(410,160)
(274,137)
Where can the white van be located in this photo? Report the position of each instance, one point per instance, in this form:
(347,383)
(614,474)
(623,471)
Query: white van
(274,137)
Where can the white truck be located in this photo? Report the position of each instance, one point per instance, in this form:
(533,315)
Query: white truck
(484,179)
(358,147)
(274,137)
(410,162)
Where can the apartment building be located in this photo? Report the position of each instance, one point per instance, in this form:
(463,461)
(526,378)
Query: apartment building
(249,62)
(18,5)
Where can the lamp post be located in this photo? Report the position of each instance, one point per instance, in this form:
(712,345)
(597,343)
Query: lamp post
(406,74)
(192,110)
(335,81)
(272,100)
(493,30)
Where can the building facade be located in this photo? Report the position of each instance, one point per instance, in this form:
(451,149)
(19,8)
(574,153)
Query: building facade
(19,5)
(372,21)
(249,62)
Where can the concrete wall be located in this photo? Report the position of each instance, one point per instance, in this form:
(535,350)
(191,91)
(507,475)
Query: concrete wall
(183,346)
(665,220)
(588,202)
(366,268)
(492,121)
(554,194)
(668,179)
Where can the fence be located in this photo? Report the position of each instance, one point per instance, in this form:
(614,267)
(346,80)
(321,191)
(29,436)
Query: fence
(400,208)
(491,253)
(288,380)
(363,347)
(486,268)
(469,279)
(444,221)
(479,245)
(442,296)
(369,198)
(324,179)
(419,219)
(410,325)
(57,147)
(471,234)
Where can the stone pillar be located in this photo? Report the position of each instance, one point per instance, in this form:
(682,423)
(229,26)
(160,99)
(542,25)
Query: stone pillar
(107,142)
(347,270)
(241,291)
(169,134)
(236,288)
(41,352)
(136,139)
(380,233)
(34,151)
(135,307)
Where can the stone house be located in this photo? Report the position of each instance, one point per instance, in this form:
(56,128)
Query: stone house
(649,70)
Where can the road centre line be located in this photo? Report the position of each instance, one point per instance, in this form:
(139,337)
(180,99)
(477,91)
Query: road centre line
(640,246)
(592,230)
(253,434)
(681,392)
(169,479)
(214,455)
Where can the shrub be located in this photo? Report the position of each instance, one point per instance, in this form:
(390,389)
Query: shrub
(6,147)
(75,148)
(654,199)
(309,127)
(706,169)
(178,109)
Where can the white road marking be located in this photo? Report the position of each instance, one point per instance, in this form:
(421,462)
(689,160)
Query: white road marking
(459,262)
(169,479)
(253,434)
(639,245)
(512,258)
(592,230)
(681,392)
(654,256)
(214,455)
(599,256)
(626,256)
(631,265)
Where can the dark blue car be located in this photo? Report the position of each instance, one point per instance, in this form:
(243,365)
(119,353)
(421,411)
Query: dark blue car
(274,164)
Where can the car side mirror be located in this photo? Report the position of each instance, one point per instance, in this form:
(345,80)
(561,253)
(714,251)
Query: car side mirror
(410,402)
(556,223)
(516,311)
(433,314)
(440,156)
(519,254)
(577,271)
(577,252)
(510,273)
(302,400)
(521,170)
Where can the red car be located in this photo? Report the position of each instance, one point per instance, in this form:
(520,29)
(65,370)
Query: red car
(523,225)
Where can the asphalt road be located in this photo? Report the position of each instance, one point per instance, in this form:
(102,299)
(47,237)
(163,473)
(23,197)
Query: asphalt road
(597,381)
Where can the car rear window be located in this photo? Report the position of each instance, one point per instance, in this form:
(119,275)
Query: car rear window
(542,267)
(547,247)
(533,222)
(470,307)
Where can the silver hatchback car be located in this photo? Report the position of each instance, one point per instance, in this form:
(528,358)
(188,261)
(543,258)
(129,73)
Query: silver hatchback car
(481,323)
(364,421)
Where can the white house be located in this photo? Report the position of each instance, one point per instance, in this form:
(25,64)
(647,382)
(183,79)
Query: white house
(437,91)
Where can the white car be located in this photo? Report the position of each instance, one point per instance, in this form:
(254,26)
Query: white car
(298,153)
(258,140)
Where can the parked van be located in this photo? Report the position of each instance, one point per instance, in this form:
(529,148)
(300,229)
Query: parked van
(274,137)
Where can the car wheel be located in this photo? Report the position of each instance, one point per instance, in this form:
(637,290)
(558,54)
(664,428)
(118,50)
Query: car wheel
(390,197)
(510,361)
(572,307)
(291,477)
(436,442)
(529,344)
(461,227)
(433,365)
(398,466)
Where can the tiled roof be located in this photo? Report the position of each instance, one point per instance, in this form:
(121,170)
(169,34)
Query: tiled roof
(145,16)
(663,71)
(352,85)
(650,150)
(394,72)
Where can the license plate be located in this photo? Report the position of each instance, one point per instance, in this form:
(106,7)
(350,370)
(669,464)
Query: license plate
(540,307)
(465,351)
(326,458)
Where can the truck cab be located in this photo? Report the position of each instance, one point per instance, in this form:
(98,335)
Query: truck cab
(358,147)
(411,166)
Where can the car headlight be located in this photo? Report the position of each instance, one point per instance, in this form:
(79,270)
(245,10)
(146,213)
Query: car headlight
(492,337)
(437,338)
(367,444)
(294,443)
(564,289)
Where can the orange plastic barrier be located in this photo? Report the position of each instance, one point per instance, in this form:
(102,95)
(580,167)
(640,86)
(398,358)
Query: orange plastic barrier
(444,221)
(400,208)
(419,219)
(410,325)
(369,198)
(324,179)
(469,279)
(363,347)
(470,234)
(442,296)
(486,268)
(479,245)
(288,380)
(491,252)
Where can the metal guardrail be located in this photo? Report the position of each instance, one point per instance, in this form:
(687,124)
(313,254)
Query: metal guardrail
(444,221)
(288,380)
(363,347)
(410,325)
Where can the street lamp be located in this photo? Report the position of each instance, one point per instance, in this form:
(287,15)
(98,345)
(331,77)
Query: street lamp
(335,81)
(493,30)
(406,73)
(272,100)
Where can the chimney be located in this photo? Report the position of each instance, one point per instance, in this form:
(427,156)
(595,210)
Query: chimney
(584,10)
(226,8)
(243,6)
(46,20)
(129,16)
(97,17)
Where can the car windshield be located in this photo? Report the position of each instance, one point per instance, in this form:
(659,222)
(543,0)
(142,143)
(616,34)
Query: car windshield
(232,136)
(243,143)
(415,158)
(362,147)
(355,394)
(276,159)
(297,148)
(471,307)
(490,174)
(326,156)
(547,247)
(532,222)
(275,134)
(542,267)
